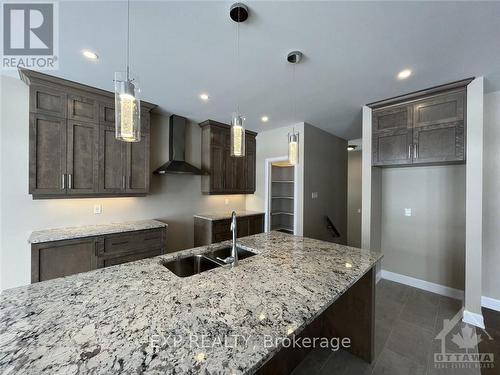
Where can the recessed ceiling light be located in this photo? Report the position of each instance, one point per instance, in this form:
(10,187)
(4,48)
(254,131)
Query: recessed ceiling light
(204,97)
(90,54)
(264,119)
(351,147)
(404,74)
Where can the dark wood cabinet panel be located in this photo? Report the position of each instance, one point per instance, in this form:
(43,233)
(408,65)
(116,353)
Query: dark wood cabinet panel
(208,231)
(256,225)
(62,258)
(439,109)
(82,108)
(82,167)
(391,148)
(226,174)
(392,119)
(392,136)
(439,143)
(47,100)
(428,129)
(138,166)
(54,259)
(73,150)
(47,155)
(112,162)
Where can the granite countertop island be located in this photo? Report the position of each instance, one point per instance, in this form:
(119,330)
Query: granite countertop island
(140,318)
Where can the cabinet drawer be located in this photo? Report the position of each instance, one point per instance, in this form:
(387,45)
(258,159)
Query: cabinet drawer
(130,242)
(113,261)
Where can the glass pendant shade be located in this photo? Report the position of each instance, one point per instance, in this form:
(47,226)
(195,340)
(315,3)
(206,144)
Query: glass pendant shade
(293,148)
(127,108)
(237,135)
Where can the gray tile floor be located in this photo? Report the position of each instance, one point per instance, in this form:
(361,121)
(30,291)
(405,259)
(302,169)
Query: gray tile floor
(407,323)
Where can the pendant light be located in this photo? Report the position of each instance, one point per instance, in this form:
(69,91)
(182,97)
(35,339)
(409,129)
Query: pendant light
(238,13)
(293,137)
(127,103)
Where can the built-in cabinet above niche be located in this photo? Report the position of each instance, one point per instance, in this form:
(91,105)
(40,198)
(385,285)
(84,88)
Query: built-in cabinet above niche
(422,128)
(225,174)
(73,151)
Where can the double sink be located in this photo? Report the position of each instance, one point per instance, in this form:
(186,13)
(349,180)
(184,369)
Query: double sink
(195,264)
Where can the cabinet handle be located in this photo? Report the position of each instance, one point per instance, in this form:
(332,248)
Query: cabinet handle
(415,151)
(70,182)
(409,151)
(123,182)
(63,181)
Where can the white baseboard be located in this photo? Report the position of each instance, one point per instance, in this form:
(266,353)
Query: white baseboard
(473,319)
(490,303)
(422,284)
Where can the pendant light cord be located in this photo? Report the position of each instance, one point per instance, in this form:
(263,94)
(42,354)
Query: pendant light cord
(238,61)
(128,40)
(293,97)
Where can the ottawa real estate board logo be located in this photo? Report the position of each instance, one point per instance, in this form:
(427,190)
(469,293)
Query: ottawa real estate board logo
(30,35)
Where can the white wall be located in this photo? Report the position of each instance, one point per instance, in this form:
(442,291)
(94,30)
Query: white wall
(325,173)
(174,198)
(491,196)
(272,144)
(430,244)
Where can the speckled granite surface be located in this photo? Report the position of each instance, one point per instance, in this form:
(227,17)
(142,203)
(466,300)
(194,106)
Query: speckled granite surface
(57,234)
(141,318)
(226,214)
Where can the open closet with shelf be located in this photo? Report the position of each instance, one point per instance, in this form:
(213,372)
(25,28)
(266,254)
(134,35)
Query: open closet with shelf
(282,203)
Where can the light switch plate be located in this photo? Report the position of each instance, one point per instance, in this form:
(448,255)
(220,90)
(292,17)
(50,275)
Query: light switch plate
(314,195)
(97,209)
(407,211)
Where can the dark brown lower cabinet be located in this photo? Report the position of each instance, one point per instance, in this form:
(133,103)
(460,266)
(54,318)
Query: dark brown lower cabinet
(50,260)
(211,231)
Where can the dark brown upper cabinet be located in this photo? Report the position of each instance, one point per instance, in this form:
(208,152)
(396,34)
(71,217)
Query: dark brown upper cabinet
(226,174)
(422,128)
(73,151)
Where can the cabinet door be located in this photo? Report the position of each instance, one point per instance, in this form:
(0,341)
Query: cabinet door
(82,167)
(229,165)
(62,258)
(81,108)
(242,227)
(217,160)
(250,165)
(256,224)
(138,166)
(439,143)
(48,101)
(107,113)
(112,162)
(392,136)
(439,131)
(47,155)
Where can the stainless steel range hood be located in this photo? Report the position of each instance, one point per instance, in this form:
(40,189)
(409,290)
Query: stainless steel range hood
(176,149)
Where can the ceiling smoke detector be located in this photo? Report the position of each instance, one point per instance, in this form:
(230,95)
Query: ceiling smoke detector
(238,12)
(294,57)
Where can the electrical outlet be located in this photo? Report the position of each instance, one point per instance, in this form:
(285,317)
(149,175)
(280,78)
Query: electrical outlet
(97,209)
(359,210)
(226,201)
(407,211)
(314,195)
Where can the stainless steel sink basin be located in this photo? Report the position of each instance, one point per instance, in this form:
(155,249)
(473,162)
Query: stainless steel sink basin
(224,252)
(192,265)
